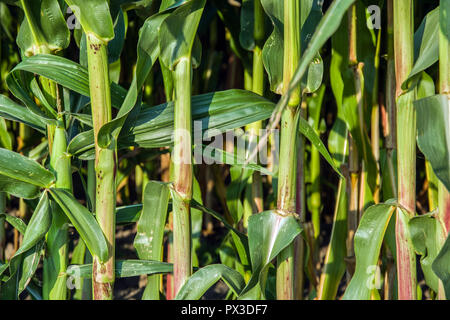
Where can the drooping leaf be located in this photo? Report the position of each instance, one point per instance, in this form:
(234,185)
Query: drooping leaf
(15,112)
(21,176)
(204,278)
(29,252)
(83,221)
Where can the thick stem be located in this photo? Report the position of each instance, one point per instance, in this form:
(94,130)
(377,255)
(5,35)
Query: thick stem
(406,132)
(183,174)
(287,172)
(105,165)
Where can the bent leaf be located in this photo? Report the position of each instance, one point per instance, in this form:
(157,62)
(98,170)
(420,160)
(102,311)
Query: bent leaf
(268,234)
(196,286)
(83,221)
(25,178)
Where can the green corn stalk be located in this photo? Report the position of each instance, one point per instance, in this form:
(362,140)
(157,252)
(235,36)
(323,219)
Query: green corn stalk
(406,146)
(183,174)
(287,177)
(105,164)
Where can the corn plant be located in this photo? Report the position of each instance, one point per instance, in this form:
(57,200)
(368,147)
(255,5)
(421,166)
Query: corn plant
(113,116)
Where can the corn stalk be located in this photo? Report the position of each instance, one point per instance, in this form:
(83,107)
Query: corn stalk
(406,146)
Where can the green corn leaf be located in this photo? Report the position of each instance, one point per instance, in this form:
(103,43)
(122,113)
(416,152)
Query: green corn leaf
(440,266)
(177,33)
(128,214)
(221,156)
(65,72)
(5,138)
(147,53)
(368,240)
(334,265)
(240,240)
(15,112)
(29,253)
(246,38)
(44,28)
(426,236)
(325,29)
(426,46)
(124,268)
(206,277)
(268,234)
(94,17)
(217,112)
(83,221)
(433,134)
(309,132)
(150,231)
(273,48)
(21,176)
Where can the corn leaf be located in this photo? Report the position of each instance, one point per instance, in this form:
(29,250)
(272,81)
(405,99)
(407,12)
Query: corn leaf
(334,265)
(150,231)
(426,237)
(309,132)
(44,26)
(268,234)
(94,17)
(15,112)
(440,266)
(215,112)
(177,33)
(83,221)
(426,46)
(124,268)
(433,134)
(25,178)
(368,240)
(28,255)
(206,277)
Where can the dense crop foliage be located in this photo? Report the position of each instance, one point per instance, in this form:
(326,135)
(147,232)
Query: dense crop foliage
(232,149)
